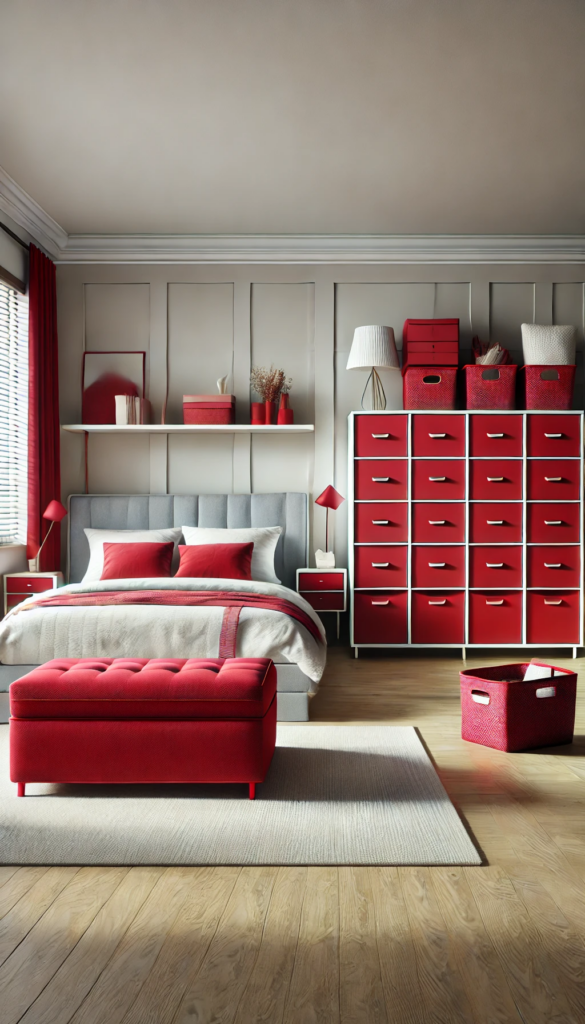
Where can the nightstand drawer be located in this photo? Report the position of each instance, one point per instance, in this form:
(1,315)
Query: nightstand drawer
(324,602)
(321,581)
(29,585)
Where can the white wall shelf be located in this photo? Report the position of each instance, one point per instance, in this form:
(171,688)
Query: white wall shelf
(187,428)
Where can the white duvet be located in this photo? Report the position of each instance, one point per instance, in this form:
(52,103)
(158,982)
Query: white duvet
(35,635)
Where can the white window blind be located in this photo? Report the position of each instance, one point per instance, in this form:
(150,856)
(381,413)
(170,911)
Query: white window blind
(13,415)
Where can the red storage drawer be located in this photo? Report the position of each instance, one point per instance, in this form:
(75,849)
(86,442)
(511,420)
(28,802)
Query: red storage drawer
(553,617)
(380,618)
(438,566)
(442,480)
(13,599)
(381,435)
(380,566)
(495,480)
(321,581)
(553,524)
(325,602)
(553,481)
(553,566)
(496,436)
(495,567)
(439,436)
(28,585)
(495,617)
(550,436)
(381,479)
(442,523)
(378,522)
(495,523)
(438,617)
(431,330)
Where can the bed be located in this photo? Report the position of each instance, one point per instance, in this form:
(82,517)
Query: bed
(30,637)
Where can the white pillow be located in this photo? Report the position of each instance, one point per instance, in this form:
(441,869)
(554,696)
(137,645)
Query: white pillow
(97,539)
(264,538)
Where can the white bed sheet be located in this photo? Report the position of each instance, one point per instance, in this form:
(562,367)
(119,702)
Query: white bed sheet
(35,635)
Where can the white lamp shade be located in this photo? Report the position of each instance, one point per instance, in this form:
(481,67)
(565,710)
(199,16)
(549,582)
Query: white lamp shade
(373,346)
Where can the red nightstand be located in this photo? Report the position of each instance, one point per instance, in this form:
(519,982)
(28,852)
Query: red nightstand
(324,589)
(19,585)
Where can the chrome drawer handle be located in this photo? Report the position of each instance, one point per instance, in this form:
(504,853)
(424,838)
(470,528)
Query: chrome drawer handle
(380,522)
(553,565)
(495,602)
(495,435)
(553,522)
(437,435)
(381,604)
(495,522)
(495,479)
(437,479)
(380,479)
(552,435)
(494,565)
(380,436)
(380,565)
(552,602)
(437,522)
(438,602)
(553,479)
(437,565)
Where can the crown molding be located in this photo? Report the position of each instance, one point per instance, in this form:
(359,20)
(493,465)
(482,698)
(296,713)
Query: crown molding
(291,249)
(24,210)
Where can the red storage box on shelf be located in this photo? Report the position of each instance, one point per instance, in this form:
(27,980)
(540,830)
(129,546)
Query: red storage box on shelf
(209,409)
(501,708)
(490,387)
(548,387)
(428,387)
(430,343)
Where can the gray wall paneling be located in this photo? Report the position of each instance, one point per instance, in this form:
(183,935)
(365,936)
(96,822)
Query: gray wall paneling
(299,317)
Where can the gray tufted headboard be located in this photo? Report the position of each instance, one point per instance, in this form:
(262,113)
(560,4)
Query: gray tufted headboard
(156,511)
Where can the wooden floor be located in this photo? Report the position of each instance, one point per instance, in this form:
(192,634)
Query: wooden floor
(503,942)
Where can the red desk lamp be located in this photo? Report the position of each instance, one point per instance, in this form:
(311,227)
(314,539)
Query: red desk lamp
(54,512)
(330,498)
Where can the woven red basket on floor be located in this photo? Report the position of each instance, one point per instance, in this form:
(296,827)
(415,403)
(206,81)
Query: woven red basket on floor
(490,387)
(500,709)
(542,392)
(429,387)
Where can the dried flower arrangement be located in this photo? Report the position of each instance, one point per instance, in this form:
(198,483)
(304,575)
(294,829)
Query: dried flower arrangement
(269,384)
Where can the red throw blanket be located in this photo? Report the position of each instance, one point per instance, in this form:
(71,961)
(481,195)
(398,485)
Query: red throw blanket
(232,601)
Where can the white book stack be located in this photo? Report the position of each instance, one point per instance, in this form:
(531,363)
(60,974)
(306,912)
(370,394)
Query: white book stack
(131,410)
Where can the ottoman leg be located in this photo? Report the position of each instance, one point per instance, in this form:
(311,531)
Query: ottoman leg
(21,787)
(252,790)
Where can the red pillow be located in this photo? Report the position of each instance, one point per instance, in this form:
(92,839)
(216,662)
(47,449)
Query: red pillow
(130,561)
(223,561)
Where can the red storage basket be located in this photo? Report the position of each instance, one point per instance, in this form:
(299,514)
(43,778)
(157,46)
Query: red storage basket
(499,709)
(542,392)
(428,387)
(490,387)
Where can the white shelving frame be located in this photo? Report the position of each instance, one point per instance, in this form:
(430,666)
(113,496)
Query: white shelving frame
(525,459)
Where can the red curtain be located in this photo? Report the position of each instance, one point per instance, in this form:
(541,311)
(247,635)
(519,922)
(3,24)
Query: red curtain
(44,465)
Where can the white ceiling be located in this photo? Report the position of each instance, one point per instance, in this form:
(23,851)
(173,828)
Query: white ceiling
(297,116)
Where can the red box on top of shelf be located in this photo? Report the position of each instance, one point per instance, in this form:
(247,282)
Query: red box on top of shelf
(430,343)
(427,387)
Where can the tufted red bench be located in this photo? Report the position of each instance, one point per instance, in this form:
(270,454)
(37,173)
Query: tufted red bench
(105,720)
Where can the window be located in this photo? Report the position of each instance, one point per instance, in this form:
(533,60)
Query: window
(13,415)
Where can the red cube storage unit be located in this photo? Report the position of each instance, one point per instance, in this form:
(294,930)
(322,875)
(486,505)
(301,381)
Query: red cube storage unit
(500,708)
(469,531)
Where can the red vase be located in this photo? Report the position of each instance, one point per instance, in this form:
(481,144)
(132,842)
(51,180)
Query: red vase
(269,412)
(285,413)
(258,412)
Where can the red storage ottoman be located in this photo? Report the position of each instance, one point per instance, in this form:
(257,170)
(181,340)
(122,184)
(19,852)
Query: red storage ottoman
(500,709)
(548,387)
(430,343)
(490,387)
(425,387)
(114,720)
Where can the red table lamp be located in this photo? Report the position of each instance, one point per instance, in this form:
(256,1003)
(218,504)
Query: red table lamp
(330,498)
(54,512)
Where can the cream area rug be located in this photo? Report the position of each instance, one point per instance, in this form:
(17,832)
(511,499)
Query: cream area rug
(334,795)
